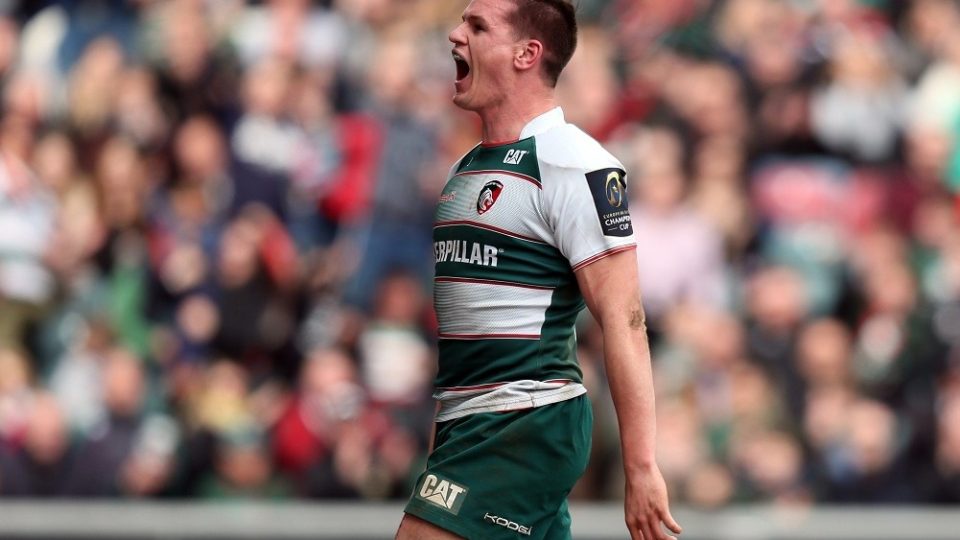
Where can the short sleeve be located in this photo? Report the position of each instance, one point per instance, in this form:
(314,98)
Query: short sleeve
(586,211)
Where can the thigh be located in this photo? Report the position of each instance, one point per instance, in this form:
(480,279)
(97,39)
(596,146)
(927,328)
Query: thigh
(505,475)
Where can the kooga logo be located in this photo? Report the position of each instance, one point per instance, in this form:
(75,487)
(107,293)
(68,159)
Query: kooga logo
(504,522)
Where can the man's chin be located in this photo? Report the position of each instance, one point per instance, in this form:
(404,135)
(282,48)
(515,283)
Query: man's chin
(461,100)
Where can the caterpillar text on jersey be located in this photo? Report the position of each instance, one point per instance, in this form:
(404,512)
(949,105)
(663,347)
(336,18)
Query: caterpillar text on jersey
(463,251)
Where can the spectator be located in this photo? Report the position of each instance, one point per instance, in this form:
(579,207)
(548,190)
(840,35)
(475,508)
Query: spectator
(242,468)
(824,354)
(42,465)
(860,111)
(868,467)
(292,30)
(16,396)
(28,213)
(335,162)
(772,467)
(263,140)
(115,457)
(396,360)
(329,392)
(396,231)
(195,75)
(252,272)
(777,306)
(948,452)
(77,377)
(691,270)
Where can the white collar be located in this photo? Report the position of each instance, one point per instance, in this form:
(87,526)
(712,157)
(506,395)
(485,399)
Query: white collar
(550,119)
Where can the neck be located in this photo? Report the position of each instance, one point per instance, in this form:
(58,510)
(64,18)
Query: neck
(504,122)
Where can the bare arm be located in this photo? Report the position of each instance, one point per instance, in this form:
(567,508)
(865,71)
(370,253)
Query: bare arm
(610,287)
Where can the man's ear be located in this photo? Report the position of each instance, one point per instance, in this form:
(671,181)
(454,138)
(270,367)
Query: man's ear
(528,54)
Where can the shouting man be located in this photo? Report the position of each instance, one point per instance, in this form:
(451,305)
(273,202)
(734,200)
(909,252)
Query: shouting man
(531,226)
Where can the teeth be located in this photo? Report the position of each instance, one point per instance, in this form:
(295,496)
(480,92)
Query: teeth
(463,67)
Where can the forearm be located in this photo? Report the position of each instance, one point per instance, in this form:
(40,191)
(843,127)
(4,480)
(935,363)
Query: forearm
(612,292)
(627,360)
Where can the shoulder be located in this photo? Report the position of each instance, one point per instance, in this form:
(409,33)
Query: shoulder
(567,147)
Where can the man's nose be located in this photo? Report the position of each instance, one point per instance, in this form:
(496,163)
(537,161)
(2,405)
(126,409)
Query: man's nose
(456,35)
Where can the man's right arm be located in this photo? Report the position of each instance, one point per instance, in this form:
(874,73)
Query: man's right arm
(610,287)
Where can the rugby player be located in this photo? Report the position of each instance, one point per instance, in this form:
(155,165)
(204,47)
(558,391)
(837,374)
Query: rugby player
(531,226)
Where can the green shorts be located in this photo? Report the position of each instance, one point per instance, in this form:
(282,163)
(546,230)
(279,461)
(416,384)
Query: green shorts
(506,475)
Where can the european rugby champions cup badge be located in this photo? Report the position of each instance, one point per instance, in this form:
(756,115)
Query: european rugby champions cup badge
(615,187)
(488,195)
(609,189)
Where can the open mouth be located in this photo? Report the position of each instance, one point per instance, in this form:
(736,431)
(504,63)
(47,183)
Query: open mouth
(463,68)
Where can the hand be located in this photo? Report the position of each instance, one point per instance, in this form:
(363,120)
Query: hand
(647,508)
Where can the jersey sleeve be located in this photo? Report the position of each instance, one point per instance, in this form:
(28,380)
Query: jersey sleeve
(586,210)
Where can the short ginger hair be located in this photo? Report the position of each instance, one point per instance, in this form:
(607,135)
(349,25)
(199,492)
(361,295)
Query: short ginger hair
(553,23)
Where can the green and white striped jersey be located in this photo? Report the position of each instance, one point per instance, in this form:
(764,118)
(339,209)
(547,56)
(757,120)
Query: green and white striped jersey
(513,223)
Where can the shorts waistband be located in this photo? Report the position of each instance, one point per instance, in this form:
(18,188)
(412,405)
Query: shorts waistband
(457,402)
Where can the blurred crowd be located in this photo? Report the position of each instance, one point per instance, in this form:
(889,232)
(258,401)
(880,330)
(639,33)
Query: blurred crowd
(215,230)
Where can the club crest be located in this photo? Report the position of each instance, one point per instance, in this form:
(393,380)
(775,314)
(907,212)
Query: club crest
(488,196)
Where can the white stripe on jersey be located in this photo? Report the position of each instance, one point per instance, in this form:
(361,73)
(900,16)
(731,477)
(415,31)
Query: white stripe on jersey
(479,309)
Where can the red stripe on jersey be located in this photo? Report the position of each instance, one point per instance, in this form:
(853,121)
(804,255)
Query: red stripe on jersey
(601,255)
(488,336)
(487,227)
(494,144)
(491,282)
(489,386)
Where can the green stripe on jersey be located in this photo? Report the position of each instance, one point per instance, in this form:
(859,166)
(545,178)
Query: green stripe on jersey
(468,251)
(483,361)
(558,338)
(519,157)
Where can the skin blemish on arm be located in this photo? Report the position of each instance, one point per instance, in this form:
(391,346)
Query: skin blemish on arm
(638,320)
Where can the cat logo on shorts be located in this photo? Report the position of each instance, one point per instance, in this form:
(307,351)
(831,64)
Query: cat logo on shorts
(488,195)
(442,492)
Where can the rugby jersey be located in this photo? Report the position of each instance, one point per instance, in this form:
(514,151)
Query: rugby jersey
(512,225)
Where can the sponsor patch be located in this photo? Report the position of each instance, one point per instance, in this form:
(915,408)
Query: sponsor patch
(609,190)
(442,493)
(488,196)
(514,157)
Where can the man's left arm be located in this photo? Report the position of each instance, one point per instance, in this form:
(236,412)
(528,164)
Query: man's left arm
(611,289)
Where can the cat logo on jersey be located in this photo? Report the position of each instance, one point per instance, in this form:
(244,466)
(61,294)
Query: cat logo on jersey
(442,492)
(488,195)
(513,157)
